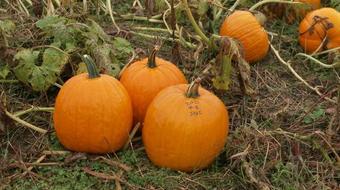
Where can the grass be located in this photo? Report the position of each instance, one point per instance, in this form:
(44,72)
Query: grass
(284,135)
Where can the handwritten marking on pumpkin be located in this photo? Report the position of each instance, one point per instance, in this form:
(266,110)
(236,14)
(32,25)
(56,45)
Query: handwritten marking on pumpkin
(193,107)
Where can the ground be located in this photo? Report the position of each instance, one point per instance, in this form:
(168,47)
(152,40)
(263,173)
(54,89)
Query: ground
(284,137)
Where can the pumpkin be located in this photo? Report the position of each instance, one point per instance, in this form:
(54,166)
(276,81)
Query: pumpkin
(290,13)
(145,78)
(318,25)
(308,5)
(245,27)
(93,112)
(185,127)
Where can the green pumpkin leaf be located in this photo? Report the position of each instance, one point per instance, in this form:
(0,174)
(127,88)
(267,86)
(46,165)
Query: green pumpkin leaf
(4,71)
(105,59)
(7,26)
(50,22)
(40,76)
(203,7)
(123,48)
(96,32)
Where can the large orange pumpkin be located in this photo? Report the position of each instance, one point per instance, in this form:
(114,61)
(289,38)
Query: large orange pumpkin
(93,112)
(244,26)
(318,25)
(185,128)
(145,78)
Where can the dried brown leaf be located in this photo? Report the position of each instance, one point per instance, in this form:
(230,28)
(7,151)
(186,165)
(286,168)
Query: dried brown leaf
(74,157)
(114,163)
(100,175)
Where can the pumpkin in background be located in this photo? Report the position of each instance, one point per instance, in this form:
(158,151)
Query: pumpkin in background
(93,112)
(308,6)
(318,26)
(185,127)
(145,78)
(246,28)
(290,13)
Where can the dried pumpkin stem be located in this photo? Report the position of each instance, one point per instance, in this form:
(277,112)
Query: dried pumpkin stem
(194,23)
(91,67)
(257,5)
(291,69)
(152,57)
(192,91)
(327,66)
(24,123)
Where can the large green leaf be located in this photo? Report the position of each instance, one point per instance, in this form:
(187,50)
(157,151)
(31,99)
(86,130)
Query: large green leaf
(40,76)
(123,48)
(50,22)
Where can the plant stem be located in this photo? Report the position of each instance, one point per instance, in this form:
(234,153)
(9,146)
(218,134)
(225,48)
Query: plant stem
(254,7)
(34,109)
(9,81)
(24,123)
(194,23)
(185,43)
(91,67)
(132,134)
(192,91)
(109,7)
(327,66)
(315,89)
(152,57)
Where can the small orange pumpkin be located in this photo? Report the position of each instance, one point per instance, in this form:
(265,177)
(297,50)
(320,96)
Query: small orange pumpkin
(244,26)
(318,26)
(185,127)
(145,78)
(93,112)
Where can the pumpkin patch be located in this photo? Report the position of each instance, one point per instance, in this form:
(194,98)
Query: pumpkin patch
(94,94)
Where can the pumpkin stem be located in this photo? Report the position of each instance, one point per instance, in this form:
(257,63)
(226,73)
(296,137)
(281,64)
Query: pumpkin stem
(260,17)
(152,57)
(192,91)
(91,67)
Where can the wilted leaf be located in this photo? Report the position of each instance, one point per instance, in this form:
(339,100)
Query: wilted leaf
(223,67)
(244,76)
(40,76)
